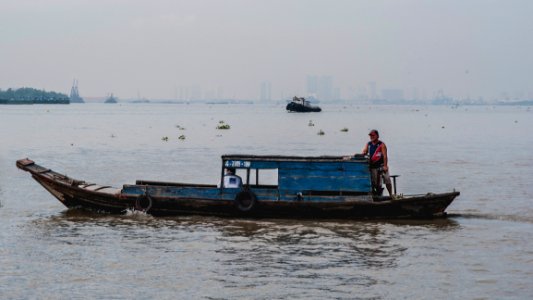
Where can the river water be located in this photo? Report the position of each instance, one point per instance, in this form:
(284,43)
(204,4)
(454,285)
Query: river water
(483,250)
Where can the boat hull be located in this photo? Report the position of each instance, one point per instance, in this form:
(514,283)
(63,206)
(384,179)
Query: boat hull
(163,200)
(295,107)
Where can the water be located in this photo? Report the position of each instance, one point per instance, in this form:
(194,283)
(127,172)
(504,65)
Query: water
(484,250)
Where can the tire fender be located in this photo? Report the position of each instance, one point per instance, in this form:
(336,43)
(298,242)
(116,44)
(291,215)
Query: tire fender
(245,201)
(143,203)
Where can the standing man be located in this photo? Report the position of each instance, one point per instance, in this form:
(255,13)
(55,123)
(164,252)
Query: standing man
(379,163)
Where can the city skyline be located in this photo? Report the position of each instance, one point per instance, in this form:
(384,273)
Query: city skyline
(319,88)
(165,49)
(322,88)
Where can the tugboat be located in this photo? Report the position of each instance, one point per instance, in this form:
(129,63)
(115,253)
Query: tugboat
(300,105)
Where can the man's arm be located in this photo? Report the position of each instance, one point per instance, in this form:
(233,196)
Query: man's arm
(385,157)
(365,149)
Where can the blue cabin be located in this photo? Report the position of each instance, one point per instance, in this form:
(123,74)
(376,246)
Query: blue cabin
(323,175)
(273,180)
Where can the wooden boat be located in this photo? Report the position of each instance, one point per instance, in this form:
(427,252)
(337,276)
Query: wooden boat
(301,105)
(308,187)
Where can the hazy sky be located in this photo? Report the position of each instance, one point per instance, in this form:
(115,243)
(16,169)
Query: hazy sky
(154,48)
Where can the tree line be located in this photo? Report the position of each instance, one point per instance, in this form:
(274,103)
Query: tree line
(31,95)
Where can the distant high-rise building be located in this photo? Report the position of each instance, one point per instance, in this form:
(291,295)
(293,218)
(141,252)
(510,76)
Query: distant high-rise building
(196,93)
(336,94)
(320,87)
(312,85)
(415,95)
(392,94)
(184,93)
(325,88)
(74,93)
(266,91)
(210,94)
(361,94)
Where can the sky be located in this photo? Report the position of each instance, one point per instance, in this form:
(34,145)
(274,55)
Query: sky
(159,48)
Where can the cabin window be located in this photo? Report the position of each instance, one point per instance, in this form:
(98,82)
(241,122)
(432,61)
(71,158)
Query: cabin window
(242,174)
(265,176)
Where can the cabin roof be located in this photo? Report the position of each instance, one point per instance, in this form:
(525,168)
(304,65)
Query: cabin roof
(282,158)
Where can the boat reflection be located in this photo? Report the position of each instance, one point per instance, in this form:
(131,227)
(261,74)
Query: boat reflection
(238,243)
